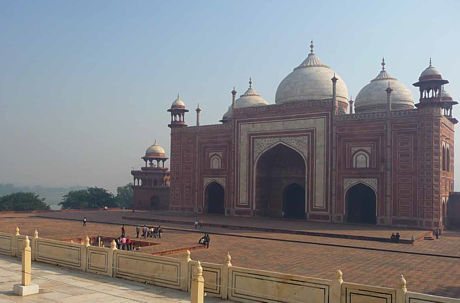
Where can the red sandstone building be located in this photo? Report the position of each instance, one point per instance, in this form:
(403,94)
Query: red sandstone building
(315,154)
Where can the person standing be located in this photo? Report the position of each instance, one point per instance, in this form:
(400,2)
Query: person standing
(436,233)
(84,221)
(144,231)
(208,240)
(138,229)
(123,230)
(159,231)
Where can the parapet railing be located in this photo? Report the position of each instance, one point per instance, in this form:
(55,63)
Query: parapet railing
(220,280)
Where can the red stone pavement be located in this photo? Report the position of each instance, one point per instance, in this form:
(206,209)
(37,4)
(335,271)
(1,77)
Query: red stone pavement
(428,274)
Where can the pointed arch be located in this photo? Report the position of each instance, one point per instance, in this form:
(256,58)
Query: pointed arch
(215,198)
(361,204)
(278,166)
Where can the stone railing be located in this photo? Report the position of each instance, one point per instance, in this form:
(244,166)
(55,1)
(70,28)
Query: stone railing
(220,280)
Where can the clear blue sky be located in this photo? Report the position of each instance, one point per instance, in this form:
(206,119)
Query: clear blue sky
(84,85)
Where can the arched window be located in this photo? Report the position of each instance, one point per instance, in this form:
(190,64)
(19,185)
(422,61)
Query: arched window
(215,162)
(361,160)
(448,159)
(443,157)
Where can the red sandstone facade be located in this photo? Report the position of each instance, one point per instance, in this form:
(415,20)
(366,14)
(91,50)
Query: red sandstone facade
(314,160)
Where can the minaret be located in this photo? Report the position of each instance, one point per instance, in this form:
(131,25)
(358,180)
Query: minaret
(350,102)
(233,97)
(177,111)
(198,110)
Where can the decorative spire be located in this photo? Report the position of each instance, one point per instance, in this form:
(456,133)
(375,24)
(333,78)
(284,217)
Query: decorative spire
(430,62)
(233,91)
(383,63)
(250,82)
(311,47)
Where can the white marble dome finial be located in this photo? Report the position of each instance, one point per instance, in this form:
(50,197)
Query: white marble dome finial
(311,47)
(430,61)
(250,82)
(383,63)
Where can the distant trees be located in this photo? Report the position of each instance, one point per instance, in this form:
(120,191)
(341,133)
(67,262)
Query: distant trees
(96,197)
(22,201)
(125,195)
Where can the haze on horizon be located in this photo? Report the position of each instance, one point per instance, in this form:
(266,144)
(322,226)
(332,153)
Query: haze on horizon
(84,86)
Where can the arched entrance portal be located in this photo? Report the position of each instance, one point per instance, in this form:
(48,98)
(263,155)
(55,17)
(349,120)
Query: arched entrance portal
(214,198)
(294,201)
(361,204)
(277,171)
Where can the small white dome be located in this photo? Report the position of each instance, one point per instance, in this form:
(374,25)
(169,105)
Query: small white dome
(155,151)
(249,99)
(178,103)
(373,96)
(310,81)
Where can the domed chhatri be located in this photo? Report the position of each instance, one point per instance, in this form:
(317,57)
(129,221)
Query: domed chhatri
(178,103)
(249,99)
(430,73)
(373,96)
(155,151)
(310,81)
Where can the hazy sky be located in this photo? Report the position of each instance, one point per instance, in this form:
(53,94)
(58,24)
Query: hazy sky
(84,85)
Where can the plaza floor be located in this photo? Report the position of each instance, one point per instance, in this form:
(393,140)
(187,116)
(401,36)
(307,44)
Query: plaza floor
(429,266)
(62,285)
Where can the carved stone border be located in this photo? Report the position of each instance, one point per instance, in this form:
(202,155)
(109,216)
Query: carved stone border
(349,182)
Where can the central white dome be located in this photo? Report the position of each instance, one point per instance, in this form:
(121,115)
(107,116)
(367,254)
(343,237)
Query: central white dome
(310,81)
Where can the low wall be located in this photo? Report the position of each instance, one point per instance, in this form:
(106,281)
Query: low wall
(221,280)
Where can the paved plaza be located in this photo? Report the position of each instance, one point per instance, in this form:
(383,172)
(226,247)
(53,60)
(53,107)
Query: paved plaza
(430,266)
(64,285)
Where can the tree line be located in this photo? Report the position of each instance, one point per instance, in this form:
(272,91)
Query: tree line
(92,197)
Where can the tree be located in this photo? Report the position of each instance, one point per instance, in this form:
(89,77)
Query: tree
(22,201)
(124,196)
(76,199)
(93,197)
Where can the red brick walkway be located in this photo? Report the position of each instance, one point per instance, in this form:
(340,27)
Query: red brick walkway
(426,274)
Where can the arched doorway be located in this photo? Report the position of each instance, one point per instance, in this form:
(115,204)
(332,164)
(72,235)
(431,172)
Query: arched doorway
(294,201)
(155,202)
(276,170)
(361,204)
(214,198)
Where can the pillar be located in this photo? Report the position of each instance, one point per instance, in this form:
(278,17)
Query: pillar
(336,291)
(401,291)
(26,288)
(226,276)
(197,292)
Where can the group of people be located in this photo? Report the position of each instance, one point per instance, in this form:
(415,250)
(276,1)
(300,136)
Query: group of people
(205,240)
(124,243)
(149,232)
(395,237)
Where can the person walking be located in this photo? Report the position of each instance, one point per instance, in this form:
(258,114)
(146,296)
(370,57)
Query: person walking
(436,233)
(84,221)
(138,229)
(123,231)
(196,223)
(123,243)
